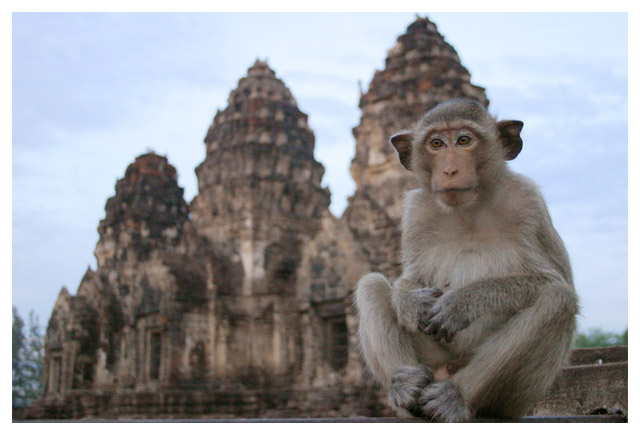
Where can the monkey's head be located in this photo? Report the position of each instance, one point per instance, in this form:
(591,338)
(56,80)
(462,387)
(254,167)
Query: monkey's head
(458,150)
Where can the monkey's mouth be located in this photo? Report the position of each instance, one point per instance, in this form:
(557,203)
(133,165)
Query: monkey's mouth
(455,196)
(456,189)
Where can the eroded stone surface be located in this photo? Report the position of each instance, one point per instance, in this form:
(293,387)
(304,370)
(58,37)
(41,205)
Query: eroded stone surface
(421,71)
(244,295)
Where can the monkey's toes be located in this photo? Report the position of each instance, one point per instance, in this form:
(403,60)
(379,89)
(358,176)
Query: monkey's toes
(406,386)
(443,402)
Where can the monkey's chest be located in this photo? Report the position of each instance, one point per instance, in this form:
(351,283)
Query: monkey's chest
(458,261)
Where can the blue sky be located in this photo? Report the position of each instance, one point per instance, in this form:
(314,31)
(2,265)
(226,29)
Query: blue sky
(93,91)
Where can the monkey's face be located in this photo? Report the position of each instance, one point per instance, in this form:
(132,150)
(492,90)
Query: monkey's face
(447,158)
(457,150)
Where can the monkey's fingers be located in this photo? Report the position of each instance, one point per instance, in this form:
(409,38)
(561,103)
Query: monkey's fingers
(422,325)
(426,322)
(432,327)
(448,335)
(439,330)
(436,293)
(443,335)
(449,329)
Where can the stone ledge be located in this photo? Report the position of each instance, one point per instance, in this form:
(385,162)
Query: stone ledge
(596,382)
(582,393)
(548,419)
(599,355)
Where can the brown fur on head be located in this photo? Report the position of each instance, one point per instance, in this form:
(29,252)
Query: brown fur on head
(457,150)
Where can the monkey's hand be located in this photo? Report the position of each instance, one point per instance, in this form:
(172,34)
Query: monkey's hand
(414,307)
(450,315)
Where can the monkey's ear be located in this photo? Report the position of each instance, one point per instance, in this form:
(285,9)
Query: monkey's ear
(509,132)
(402,143)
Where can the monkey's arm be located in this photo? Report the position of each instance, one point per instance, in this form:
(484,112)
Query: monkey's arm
(502,296)
(412,303)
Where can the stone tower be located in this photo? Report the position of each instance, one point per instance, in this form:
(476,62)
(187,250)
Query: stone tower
(421,70)
(129,326)
(259,185)
(261,201)
(146,213)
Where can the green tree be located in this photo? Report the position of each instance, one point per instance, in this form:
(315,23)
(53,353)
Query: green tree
(596,337)
(17,344)
(27,360)
(624,337)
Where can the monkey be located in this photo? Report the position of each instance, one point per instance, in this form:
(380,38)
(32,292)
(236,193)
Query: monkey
(483,315)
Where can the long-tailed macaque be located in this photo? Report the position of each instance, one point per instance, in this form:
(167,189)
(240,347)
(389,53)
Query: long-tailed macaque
(483,316)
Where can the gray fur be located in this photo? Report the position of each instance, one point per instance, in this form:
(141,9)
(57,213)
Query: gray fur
(442,402)
(507,305)
(407,385)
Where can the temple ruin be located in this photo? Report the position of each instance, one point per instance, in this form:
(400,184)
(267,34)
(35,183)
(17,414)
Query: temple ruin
(239,304)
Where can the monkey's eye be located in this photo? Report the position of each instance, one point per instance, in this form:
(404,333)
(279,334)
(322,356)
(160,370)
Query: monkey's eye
(437,143)
(464,140)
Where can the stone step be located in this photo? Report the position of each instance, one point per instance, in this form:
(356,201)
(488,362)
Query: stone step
(595,383)
(530,419)
(592,389)
(599,355)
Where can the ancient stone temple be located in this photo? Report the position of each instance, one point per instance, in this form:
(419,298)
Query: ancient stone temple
(284,318)
(421,70)
(240,303)
(133,323)
(237,305)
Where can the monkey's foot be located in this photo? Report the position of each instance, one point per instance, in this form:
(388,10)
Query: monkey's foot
(442,402)
(406,386)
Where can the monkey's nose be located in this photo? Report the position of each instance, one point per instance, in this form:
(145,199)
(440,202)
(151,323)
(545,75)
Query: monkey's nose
(450,172)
